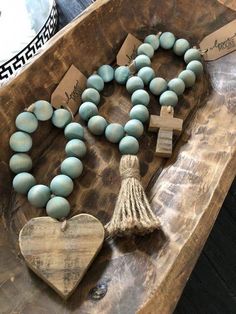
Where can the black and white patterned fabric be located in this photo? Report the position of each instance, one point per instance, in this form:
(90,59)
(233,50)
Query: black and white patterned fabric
(13,65)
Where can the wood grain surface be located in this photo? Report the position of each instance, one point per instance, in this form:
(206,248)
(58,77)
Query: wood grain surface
(145,274)
(61,256)
(167,125)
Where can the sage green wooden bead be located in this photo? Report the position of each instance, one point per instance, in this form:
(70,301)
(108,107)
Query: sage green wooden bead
(142,61)
(91,94)
(134,83)
(76,148)
(74,130)
(114,132)
(27,122)
(61,185)
(177,85)
(192,54)
(23,182)
(95,81)
(58,207)
(43,110)
(20,163)
(167,40)
(20,142)
(140,96)
(106,72)
(72,167)
(157,86)
(146,49)
(129,145)
(153,40)
(61,117)
(195,66)
(97,125)
(134,128)
(168,98)
(146,74)
(181,46)
(39,195)
(122,74)
(139,112)
(188,77)
(88,110)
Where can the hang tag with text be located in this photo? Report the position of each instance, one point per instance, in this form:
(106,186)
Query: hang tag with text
(219,43)
(128,50)
(69,90)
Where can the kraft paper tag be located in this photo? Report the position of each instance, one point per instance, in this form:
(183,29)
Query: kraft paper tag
(219,43)
(69,90)
(128,50)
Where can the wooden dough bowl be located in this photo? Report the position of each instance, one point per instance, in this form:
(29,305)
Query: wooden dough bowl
(141,274)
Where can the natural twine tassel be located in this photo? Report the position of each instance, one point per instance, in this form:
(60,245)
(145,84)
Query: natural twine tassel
(132,214)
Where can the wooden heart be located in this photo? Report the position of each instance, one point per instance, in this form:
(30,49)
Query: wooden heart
(61,258)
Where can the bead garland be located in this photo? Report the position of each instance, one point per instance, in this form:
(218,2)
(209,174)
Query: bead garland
(168,92)
(61,186)
(115,132)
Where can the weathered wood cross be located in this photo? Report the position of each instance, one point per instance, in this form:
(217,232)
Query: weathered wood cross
(167,124)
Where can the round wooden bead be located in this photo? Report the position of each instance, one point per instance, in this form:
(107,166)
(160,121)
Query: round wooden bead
(72,167)
(134,83)
(142,61)
(74,130)
(192,54)
(27,122)
(153,40)
(134,128)
(58,207)
(95,81)
(88,110)
(195,66)
(91,94)
(122,74)
(188,77)
(61,117)
(129,145)
(20,163)
(177,85)
(23,182)
(146,74)
(114,132)
(97,125)
(43,110)
(39,195)
(157,85)
(167,40)
(140,97)
(106,72)
(139,112)
(61,185)
(76,148)
(20,142)
(181,46)
(168,98)
(146,49)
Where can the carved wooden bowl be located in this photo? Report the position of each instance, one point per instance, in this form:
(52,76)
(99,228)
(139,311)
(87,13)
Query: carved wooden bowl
(140,274)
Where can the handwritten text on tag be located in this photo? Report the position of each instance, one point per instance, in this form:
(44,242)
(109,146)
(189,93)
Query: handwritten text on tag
(219,43)
(69,90)
(128,50)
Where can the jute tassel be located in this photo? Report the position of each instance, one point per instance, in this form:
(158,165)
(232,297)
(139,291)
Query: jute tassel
(132,214)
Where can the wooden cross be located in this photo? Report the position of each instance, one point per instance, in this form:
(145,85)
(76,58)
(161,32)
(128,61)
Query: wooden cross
(167,124)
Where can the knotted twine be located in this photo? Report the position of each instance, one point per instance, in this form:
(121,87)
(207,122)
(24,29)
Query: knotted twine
(133,213)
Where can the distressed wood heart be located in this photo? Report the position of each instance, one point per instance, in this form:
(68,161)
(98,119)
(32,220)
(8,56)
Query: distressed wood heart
(61,258)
